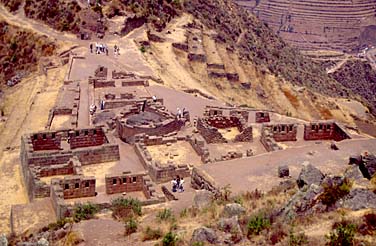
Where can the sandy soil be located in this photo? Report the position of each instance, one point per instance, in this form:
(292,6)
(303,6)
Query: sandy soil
(61,122)
(229,133)
(180,153)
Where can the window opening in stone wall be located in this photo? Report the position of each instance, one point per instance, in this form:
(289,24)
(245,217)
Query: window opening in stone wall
(114,181)
(124,180)
(87,184)
(95,132)
(77,133)
(134,179)
(66,186)
(76,185)
(35,136)
(86,133)
(44,136)
(53,135)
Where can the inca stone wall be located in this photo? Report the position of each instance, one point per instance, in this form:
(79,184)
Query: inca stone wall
(324,131)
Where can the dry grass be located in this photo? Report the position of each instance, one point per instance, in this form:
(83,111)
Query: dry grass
(292,98)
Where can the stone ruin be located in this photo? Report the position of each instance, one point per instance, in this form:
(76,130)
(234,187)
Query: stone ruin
(273,133)
(158,172)
(215,119)
(262,117)
(149,118)
(62,152)
(325,130)
(67,103)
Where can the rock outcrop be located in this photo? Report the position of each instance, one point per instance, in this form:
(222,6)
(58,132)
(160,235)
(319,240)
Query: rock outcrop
(309,175)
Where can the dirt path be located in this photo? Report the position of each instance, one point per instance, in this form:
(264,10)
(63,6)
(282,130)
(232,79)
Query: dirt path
(338,65)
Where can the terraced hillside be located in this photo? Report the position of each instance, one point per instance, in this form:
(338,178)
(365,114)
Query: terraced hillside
(344,25)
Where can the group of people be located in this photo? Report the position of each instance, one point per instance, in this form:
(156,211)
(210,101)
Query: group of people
(177,184)
(99,48)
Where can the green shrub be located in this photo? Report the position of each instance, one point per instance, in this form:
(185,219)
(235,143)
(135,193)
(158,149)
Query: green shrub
(332,193)
(170,239)
(130,226)
(165,214)
(142,49)
(125,208)
(257,223)
(198,244)
(84,211)
(151,234)
(59,224)
(297,240)
(342,235)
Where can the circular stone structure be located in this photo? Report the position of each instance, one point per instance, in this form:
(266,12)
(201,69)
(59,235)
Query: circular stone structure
(155,120)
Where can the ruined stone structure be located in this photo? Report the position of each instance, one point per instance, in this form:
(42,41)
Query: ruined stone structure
(101,72)
(324,130)
(67,104)
(262,117)
(61,153)
(215,118)
(153,120)
(196,51)
(128,182)
(158,172)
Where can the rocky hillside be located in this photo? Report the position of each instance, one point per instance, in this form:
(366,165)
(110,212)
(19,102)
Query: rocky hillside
(255,42)
(360,78)
(20,51)
(322,24)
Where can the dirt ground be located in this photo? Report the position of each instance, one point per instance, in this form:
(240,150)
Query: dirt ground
(179,153)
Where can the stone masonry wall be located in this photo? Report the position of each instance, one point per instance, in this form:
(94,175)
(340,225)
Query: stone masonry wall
(201,180)
(262,117)
(86,138)
(283,132)
(98,154)
(46,141)
(198,144)
(124,183)
(209,133)
(78,186)
(324,131)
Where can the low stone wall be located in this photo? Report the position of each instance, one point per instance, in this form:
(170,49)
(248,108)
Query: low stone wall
(245,136)
(268,141)
(209,133)
(170,123)
(199,145)
(325,130)
(181,46)
(140,82)
(103,83)
(159,173)
(98,154)
(201,180)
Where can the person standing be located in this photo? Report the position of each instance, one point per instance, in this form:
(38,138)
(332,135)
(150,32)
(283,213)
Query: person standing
(91,47)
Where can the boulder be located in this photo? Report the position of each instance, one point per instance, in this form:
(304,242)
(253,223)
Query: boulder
(43,242)
(358,199)
(59,234)
(233,209)
(368,166)
(353,172)
(283,171)
(230,225)
(204,234)
(203,198)
(309,175)
(3,240)
(333,146)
